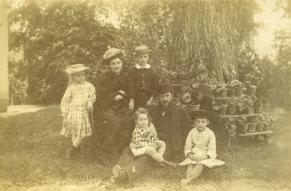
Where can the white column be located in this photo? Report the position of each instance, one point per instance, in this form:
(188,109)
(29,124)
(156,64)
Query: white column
(4,85)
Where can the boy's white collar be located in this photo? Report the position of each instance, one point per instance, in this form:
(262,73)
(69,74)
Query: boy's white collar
(147,66)
(202,130)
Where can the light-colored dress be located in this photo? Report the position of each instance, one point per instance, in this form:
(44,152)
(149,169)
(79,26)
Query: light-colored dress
(74,109)
(142,139)
(201,143)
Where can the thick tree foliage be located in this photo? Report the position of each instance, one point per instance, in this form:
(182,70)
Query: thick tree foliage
(192,41)
(50,38)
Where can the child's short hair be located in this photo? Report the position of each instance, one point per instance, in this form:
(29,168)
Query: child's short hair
(142,110)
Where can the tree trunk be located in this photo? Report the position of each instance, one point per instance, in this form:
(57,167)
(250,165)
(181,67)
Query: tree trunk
(204,40)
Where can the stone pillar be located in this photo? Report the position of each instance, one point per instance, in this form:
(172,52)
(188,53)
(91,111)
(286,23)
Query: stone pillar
(4,86)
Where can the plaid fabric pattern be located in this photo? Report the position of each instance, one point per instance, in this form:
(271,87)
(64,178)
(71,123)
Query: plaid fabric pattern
(143,136)
(74,109)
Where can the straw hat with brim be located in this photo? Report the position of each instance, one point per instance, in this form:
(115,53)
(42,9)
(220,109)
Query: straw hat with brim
(141,50)
(72,69)
(199,114)
(112,52)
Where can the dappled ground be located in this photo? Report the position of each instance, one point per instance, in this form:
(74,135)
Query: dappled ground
(32,158)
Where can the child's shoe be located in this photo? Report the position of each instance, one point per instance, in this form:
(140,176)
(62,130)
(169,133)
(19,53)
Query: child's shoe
(111,184)
(80,153)
(119,175)
(172,164)
(122,178)
(184,183)
(70,152)
(116,171)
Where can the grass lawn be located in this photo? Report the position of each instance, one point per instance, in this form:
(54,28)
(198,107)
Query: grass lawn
(32,158)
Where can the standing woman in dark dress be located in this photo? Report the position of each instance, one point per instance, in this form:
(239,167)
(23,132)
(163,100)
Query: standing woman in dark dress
(112,116)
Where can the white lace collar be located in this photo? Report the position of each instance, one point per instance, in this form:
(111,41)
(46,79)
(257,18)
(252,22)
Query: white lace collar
(147,66)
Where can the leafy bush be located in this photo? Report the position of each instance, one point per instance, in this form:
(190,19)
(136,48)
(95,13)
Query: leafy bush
(17,90)
(249,67)
(52,37)
(276,87)
(188,47)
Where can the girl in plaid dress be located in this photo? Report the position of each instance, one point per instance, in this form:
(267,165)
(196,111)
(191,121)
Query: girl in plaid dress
(145,140)
(77,107)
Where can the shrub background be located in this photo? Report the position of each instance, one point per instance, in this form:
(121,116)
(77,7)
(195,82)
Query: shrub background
(205,45)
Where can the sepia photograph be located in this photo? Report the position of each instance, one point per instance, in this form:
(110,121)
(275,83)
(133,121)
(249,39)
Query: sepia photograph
(145,95)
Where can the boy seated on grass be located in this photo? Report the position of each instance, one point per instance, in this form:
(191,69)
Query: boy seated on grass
(200,148)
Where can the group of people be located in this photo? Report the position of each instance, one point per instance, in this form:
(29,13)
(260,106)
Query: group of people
(118,111)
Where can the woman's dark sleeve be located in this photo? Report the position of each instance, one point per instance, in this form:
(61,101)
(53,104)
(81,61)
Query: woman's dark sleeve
(105,97)
(130,85)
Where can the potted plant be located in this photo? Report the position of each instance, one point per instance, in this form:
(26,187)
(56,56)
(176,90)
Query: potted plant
(266,127)
(223,91)
(249,101)
(242,124)
(238,88)
(219,107)
(245,110)
(186,98)
(239,107)
(223,109)
(251,90)
(195,85)
(260,127)
(231,109)
(230,92)
(216,92)
(252,119)
(252,127)
(177,88)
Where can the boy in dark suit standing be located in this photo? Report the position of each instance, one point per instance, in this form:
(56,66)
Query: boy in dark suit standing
(143,81)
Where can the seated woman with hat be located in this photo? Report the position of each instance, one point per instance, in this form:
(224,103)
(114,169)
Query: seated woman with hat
(112,113)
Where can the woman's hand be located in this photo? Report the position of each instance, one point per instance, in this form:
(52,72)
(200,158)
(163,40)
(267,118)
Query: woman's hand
(118,97)
(150,101)
(131,104)
(191,156)
(121,92)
